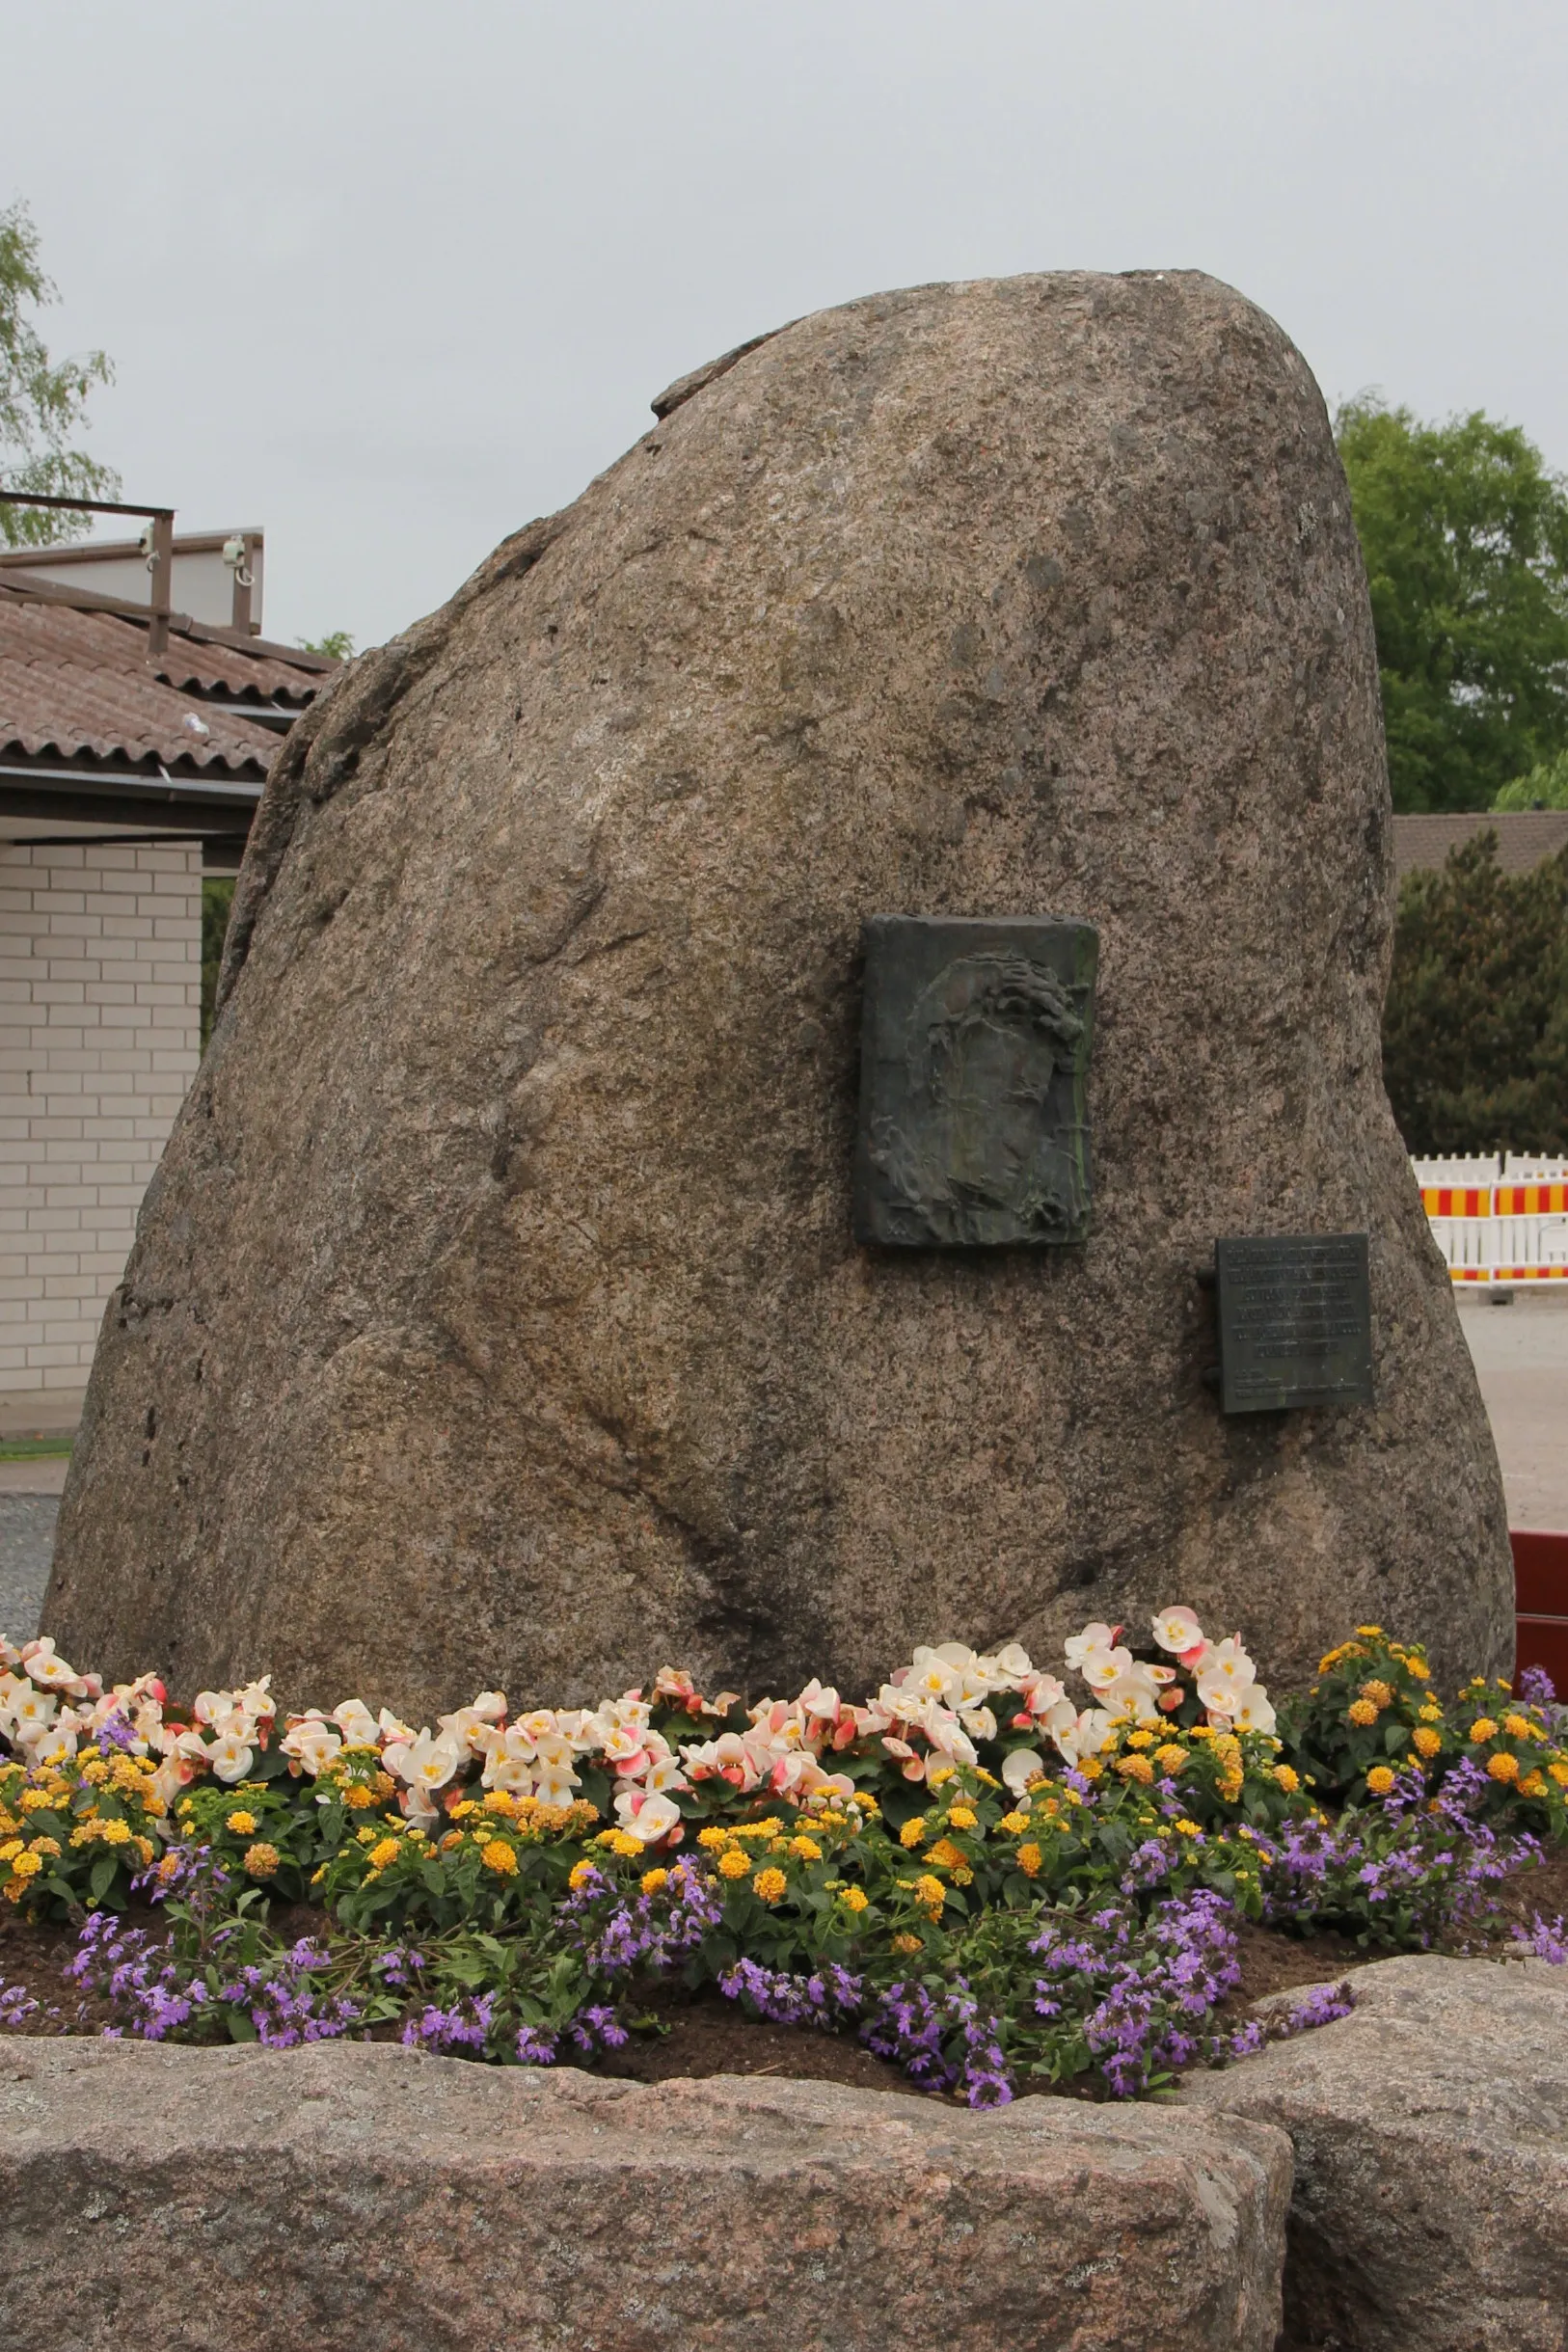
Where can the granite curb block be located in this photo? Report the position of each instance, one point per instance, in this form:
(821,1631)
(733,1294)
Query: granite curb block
(1430,2130)
(352,2194)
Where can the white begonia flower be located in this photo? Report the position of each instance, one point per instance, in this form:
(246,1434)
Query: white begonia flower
(1250,1709)
(27,1712)
(979,1722)
(466,1728)
(930,1676)
(229,1756)
(646,1818)
(311,1744)
(1019,1766)
(356,1722)
(1133,1693)
(57,1744)
(1076,1736)
(1101,1666)
(1226,1668)
(389,1727)
(1178,1630)
(1093,1637)
(1012,1661)
(45,1668)
(509,1758)
(425,1762)
(620,1743)
(256,1700)
(418,1806)
(820,1701)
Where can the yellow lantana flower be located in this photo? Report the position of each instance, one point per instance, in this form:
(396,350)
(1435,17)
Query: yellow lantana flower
(1380,1780)
(768,1885)
(1483,1728)
(261,1859)
(243,1825)
(963,1818)
(734,1864)
(497,1855)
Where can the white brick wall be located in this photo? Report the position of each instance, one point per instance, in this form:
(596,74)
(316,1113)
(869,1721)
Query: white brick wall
(100,1012)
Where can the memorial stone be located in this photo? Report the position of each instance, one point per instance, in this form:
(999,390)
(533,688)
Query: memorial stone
(496,1316)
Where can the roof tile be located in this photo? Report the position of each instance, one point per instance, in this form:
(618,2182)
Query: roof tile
(78,683)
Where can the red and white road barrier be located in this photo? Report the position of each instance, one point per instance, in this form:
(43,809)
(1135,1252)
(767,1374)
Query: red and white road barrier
(1503,1222)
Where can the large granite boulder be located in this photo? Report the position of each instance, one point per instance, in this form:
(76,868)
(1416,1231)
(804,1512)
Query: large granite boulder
(357,2193)
(1430,2208)
(496,1314)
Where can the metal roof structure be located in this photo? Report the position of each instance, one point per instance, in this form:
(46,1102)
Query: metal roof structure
(99,732)
(1524,837)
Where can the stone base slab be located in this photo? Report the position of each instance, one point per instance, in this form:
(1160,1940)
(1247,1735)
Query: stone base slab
(1431,2211)
(354,2194)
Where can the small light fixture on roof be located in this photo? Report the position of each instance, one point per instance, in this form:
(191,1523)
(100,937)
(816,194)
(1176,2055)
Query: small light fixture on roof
(194,725)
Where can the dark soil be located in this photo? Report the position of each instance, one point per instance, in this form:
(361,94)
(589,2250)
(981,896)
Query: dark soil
(699,2034)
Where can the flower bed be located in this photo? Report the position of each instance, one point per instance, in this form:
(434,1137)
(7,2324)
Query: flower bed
(987,1883)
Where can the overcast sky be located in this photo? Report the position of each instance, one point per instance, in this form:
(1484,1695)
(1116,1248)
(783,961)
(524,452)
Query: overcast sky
(391,276)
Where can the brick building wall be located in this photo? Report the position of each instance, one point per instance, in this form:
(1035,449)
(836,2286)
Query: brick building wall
(101,985)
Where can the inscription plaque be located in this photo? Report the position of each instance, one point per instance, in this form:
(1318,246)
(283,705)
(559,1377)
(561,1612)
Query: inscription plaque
(1295,1319)
(974,1061)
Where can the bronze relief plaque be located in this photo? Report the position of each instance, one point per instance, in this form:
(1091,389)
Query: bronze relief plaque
(974,1065)
(1295,1318)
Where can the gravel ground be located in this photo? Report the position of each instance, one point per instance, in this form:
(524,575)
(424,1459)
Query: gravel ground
(26,1542)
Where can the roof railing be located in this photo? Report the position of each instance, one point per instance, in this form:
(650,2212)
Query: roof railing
(160,546)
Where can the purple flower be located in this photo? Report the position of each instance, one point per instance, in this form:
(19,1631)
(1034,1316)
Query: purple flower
(465,2026)
(1544,1940)
(535,2047)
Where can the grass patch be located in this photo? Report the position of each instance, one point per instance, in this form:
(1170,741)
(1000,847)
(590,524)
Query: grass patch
(35,1448)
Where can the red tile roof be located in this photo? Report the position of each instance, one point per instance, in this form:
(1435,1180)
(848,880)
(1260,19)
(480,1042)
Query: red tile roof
(76,685)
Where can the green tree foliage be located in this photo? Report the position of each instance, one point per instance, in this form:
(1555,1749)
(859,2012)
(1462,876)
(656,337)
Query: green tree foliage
(42,403)
(1545,787)
(217,897)
(1476,1027)
(1465,534)
(337,645)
